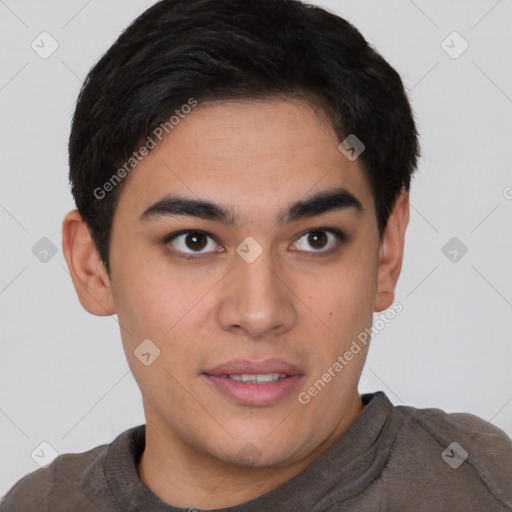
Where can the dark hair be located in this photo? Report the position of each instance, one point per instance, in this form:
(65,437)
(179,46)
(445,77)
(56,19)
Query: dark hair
(232,49)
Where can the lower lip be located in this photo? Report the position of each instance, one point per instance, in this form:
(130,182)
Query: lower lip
(248,393)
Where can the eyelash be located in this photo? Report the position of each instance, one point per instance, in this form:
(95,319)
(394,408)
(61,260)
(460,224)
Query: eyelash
(340,235)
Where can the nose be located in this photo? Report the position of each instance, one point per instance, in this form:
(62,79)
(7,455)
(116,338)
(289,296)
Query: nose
(257,301)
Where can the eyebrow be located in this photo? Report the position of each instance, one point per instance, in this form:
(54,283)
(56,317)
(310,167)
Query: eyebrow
(317,204)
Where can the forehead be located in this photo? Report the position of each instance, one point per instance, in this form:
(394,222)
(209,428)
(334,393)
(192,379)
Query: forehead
(257,156)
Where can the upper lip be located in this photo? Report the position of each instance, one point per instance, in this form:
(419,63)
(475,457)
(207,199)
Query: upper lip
(241,366)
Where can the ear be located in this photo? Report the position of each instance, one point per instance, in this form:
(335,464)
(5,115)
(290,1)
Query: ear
(88,272)
(391,253)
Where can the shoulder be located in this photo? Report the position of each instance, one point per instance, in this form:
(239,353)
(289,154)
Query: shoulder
(481,436)
(61,484)
(462,438)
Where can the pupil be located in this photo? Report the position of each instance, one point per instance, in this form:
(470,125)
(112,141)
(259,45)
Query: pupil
(317,239)
(195,241)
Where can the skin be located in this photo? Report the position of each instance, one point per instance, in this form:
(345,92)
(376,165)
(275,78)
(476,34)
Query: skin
(292,302)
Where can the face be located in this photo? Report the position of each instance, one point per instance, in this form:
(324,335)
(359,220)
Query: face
(251,286)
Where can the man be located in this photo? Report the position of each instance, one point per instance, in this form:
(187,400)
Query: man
(241,173)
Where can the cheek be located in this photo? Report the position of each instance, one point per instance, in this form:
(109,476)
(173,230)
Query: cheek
(147,302)
(348,293)
(160,310)
(167,310)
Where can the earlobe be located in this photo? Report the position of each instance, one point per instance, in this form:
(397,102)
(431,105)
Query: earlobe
(391,253)
(88,273)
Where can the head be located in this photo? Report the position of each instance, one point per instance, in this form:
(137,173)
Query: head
(218,217)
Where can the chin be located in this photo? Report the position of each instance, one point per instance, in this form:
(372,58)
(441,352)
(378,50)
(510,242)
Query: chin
(259,452)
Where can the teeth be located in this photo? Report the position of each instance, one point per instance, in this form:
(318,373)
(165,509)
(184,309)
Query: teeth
(260,378)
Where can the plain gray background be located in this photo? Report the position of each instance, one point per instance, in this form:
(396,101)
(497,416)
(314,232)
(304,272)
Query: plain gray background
(64,379)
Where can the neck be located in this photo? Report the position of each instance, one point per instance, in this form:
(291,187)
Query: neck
(184,477)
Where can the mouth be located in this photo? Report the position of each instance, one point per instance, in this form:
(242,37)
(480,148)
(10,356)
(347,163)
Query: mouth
(255,383)
(261,378)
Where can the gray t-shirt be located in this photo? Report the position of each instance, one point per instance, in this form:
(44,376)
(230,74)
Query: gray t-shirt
(389,459)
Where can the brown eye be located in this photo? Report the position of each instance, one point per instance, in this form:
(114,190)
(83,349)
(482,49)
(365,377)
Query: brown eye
(317,239)
(192,242)
(196,241)
(320,240)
